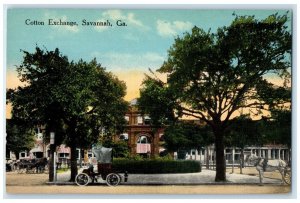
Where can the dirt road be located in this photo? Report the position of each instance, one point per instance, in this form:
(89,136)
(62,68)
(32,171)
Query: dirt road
(36,184)
(176,190)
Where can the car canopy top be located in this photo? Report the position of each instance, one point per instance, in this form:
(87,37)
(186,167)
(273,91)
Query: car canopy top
(103,154)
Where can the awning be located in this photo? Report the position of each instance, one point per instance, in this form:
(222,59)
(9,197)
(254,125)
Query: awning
(36,149)
(63,149)
(143,148)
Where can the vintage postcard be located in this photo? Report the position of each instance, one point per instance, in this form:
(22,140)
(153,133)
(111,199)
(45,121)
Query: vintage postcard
(186,101)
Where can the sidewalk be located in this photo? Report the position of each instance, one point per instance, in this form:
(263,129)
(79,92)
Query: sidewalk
(206,177)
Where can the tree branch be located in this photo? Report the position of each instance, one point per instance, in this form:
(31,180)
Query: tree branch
(190,112)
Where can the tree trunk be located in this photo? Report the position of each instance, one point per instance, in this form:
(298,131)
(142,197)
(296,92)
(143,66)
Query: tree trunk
(220,156)
(207,157)
(51,163)
(74,170)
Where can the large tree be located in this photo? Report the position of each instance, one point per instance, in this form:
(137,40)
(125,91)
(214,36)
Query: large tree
(79,101)
(213,75)
(18,137)
(186,136)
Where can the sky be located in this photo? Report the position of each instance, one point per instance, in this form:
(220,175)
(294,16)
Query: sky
(127,51)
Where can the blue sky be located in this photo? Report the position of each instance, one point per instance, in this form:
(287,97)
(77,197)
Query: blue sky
(126,51)
(142,44)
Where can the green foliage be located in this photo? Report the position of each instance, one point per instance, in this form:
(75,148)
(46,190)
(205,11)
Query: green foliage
(76,100)
(244,132)
(278,129)
(167,157)
(214,74)
(155,97)
(120,148)
(62,170)
(156,166)
(275,97)
(36,103)
(135,157)
(18,136)
(185,136)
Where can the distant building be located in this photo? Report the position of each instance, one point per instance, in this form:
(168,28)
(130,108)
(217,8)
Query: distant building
(142,138)
(233,155)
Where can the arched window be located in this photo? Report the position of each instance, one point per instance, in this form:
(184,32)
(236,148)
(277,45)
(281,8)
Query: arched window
(143,140)
(143,145)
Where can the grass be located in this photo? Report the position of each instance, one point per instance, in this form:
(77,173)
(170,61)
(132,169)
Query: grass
(62,170)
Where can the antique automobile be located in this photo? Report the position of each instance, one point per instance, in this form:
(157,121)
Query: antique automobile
(104,170)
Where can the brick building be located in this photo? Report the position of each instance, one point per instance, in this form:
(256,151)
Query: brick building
(142,138)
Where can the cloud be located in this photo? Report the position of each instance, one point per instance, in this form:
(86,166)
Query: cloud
(169,29)
(115,15)
(119,61)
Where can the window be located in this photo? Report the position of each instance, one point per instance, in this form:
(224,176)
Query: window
(140,120)
(38,154)
(23,154)
(147,120)
(143,140)
(123,136)
(127,120)
(90,154)
(143,145)
(63,155)
(79,153)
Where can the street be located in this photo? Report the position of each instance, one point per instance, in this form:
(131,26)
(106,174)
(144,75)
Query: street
(196,183)
(144,189)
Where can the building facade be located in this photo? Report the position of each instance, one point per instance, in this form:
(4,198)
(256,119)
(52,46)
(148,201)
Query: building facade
(142,138)
(234,155)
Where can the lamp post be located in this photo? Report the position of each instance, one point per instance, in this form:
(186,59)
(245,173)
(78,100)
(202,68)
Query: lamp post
(52,168)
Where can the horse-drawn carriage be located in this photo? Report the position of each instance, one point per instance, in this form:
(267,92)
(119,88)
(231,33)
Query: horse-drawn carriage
(263,165)
(37,165)
(104,170)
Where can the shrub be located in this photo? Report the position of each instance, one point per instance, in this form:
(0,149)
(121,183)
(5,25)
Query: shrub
(156,166)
